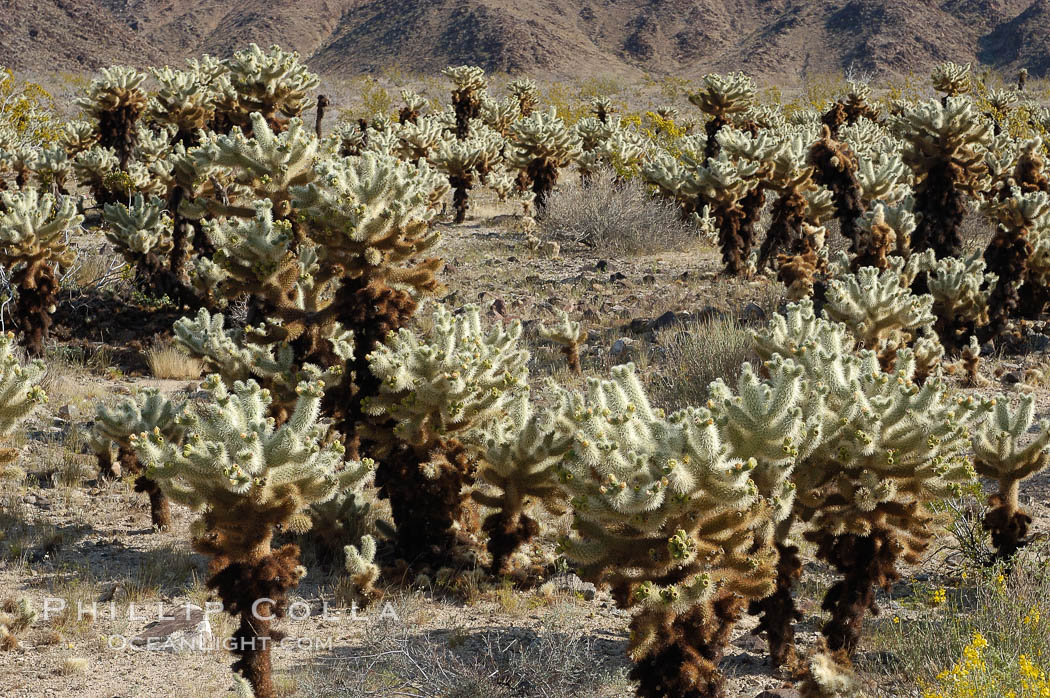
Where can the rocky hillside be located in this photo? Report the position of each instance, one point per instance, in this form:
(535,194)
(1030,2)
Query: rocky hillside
(782,39)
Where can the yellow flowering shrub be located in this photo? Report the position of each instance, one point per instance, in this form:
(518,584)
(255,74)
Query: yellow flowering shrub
(26,112)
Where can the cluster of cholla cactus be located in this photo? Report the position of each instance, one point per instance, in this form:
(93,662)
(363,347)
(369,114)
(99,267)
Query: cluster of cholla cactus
(887,447)
(435,392)
(34,246)
(209,184)
(249,477)
(676,512)
(20,396)
(111,440)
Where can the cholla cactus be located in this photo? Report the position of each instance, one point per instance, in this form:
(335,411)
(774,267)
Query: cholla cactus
(15,616)
(539,146)
(518,464)
(500,115)
(951,79)
(141,233)
(264,166)
(731,189)
(418,139)
(110,438)
(525,94)
(240,354)
(414,106)
(469,84)
(1001,456)
(569,335)
(888,448)
(33,246)
(248,477)
(438,390)
(464,159)
(52,169)
(883,177)
(881,231)
(77,136)
(943,142)
(183,102)
(273,84)
(371,216)
(360,565)
(960,290)
(721,97)
(850,109)
(20,396)
(835,167)
(667,511)
(116,101)
(880,309)
(800,199)
(1017,216)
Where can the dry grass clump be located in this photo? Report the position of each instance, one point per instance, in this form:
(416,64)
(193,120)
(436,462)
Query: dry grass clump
(168,361)
(614,216)
(984,634)
(495,663)
(694,354)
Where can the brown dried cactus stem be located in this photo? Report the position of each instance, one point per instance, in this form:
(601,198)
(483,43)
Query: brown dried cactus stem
(507,530)
(1006,522)
(777,612)
(685,664)
(467,106)
(835,167)
(736,230)
(940,207)
(116,128)
(543,174)
(426,506)
(711,128)
(461,185)
(371,309)
(245,570)
(128,464)
(322,105)
(866,562)
(1006,256)
(789,211)
(37,292)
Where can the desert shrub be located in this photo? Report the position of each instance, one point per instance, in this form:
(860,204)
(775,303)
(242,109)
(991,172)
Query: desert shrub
(611,216)
(696,354)
(171,361)
(988,637)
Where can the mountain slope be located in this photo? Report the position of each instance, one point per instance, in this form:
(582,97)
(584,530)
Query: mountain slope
(783,39)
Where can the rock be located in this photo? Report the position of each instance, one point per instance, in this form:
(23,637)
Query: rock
(620,348)
(648,279)
(69,412)
(186,630)
(752,313)
(1038,342)
(780,693)
(602,265)
(574,585)
(1012,378)
(617,277)
(665,320)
